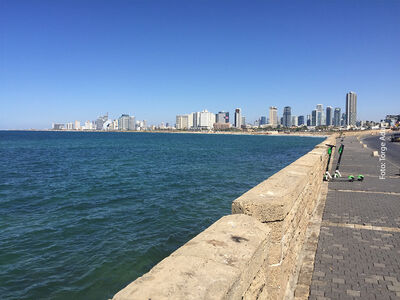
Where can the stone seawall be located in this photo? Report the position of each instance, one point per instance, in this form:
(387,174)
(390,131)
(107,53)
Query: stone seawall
(250,254)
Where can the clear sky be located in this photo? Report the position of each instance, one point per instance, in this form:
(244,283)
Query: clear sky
(71,60)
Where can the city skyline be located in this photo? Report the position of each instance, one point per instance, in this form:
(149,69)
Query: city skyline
(157,59)
(205,120)
(279,111)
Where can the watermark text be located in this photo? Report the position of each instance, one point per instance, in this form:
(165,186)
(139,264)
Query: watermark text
(382,155)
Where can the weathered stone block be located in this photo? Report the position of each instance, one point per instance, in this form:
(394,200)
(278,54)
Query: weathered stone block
(219,263)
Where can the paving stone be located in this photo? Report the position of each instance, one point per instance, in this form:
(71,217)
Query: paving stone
(319,274)
(353,293)
(338,280)
(371,280)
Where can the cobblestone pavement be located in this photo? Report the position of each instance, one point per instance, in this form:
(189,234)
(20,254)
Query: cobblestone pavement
(358,253)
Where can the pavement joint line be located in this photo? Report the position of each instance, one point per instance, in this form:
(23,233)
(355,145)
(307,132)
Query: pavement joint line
(367,192)
(359,226)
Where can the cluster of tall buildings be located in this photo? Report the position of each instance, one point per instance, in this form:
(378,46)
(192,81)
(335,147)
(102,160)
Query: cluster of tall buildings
(330,117)
(205,120)
(103,123)
(318,117)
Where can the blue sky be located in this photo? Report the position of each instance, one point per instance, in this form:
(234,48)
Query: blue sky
(74,60)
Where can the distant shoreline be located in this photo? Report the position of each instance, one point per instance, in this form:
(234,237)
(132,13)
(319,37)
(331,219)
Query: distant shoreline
(265,133)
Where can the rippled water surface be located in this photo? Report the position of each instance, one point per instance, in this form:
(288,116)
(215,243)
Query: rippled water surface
(84,214)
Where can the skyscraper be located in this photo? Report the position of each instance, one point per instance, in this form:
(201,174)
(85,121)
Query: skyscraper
(329,115)
(182,122)
(196,119)
(300,120)
(69,126)
(126,122)
(336,117)
(123,122)
(77,125)
(238,118)
(308,120)
(343,120)
(206,120)
(222,117)
(100,122)
(294,121)
(351,109)
(273,116)
(263,120)
(314,118)
(132,123)
(287,116)
(320,115)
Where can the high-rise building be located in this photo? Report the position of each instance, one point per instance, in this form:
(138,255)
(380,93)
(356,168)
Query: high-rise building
(182,122)
(58,126)
(196,118)
(314,118)
(336,117)
(343,120)
(69,126)
(263,120)
(238,118)
(126,122)
(222,117)
(77,125)
(320,115)
(273,116)
(114,125)
(287,116)
(132,123)
(100,121)
(329,115)
(300,120)
(351,109)
(294,121)
(308,120)
(206,120)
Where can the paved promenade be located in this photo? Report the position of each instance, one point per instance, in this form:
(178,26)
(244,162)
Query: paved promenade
(358,254)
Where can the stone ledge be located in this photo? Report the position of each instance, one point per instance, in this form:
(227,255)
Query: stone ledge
(272,199)
(285,203)
(219,263)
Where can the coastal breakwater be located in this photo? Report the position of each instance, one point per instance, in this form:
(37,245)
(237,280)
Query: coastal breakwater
(250,254)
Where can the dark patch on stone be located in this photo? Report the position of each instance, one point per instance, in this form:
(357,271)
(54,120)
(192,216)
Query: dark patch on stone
(238,239)
(189,274)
